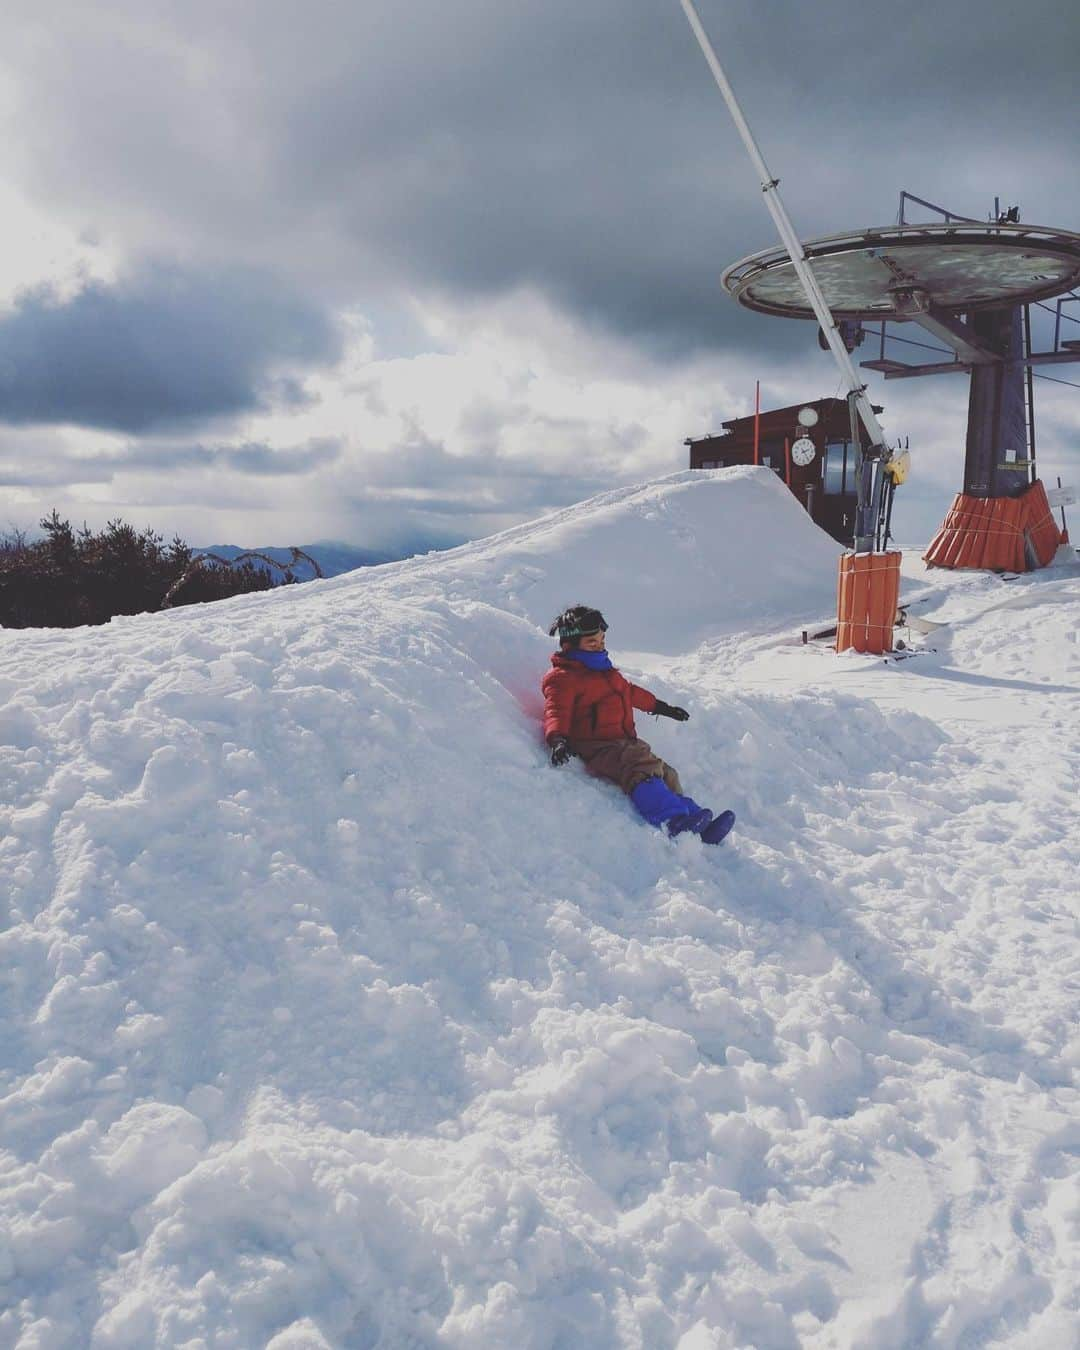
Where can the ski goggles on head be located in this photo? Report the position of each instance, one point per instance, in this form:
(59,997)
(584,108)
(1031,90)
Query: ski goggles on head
(578,623)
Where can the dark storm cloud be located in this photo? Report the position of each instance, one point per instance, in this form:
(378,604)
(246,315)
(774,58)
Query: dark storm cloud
(53,466)
(581,149)
(162,347)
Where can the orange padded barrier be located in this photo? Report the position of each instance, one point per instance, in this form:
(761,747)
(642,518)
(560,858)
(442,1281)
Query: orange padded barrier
(1002,534)
(867,595)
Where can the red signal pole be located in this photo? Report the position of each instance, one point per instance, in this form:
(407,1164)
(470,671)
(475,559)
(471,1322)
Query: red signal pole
(757,421)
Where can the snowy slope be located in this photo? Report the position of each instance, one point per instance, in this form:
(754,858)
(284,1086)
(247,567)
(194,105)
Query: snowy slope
(334,1017)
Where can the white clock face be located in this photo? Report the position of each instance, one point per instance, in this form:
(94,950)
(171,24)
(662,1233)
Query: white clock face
(802,452)
(808,417)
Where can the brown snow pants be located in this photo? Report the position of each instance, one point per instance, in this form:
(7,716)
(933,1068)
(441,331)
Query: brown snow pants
(625,762)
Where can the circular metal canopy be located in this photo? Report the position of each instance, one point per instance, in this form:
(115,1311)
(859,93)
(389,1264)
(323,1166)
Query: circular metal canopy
(902,270)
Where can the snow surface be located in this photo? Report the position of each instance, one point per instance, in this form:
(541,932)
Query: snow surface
(332,1016)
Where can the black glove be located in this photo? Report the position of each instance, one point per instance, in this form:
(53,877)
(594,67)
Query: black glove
(663,709)
(560,751)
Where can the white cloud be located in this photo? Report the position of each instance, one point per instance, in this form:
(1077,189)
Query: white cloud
(39,250)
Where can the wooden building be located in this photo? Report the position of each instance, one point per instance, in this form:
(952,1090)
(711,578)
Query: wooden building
(825,483)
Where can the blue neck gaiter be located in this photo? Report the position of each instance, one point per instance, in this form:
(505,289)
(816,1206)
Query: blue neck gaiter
(594,660)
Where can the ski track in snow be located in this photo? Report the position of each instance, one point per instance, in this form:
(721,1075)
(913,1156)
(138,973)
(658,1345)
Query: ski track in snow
(333,1017)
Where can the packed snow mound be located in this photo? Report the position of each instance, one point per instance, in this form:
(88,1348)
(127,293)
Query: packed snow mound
(672,563)
(335,1017)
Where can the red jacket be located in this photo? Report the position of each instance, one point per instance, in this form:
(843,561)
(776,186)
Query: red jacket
(590,705)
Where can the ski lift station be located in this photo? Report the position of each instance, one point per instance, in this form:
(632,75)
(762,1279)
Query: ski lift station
(811,446)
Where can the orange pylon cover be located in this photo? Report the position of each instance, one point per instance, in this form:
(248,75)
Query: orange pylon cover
(1002,534)
(868,592)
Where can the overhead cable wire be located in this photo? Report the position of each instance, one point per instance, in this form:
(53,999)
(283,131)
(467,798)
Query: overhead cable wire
(1054,380)
(1072,318)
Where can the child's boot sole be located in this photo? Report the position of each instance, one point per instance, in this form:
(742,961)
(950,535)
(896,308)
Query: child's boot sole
(719,829)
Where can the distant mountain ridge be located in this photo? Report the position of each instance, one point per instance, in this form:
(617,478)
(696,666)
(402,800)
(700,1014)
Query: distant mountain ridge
(334,558)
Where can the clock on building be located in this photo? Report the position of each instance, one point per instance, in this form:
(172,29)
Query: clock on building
(802,452)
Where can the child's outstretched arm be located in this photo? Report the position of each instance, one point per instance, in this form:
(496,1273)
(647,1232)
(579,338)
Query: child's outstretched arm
(649,703)
(663,709)
(642,699)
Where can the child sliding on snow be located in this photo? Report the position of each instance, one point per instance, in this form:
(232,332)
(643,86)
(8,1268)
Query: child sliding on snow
(589,712)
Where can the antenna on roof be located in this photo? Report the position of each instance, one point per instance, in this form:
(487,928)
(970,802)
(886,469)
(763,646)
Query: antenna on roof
(871,480)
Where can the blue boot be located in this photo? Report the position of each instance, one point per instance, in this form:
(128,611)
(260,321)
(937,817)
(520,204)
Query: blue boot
(658,804)
(719,829)
(694,821)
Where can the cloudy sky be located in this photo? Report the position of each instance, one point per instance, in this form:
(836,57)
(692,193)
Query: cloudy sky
(406,274)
